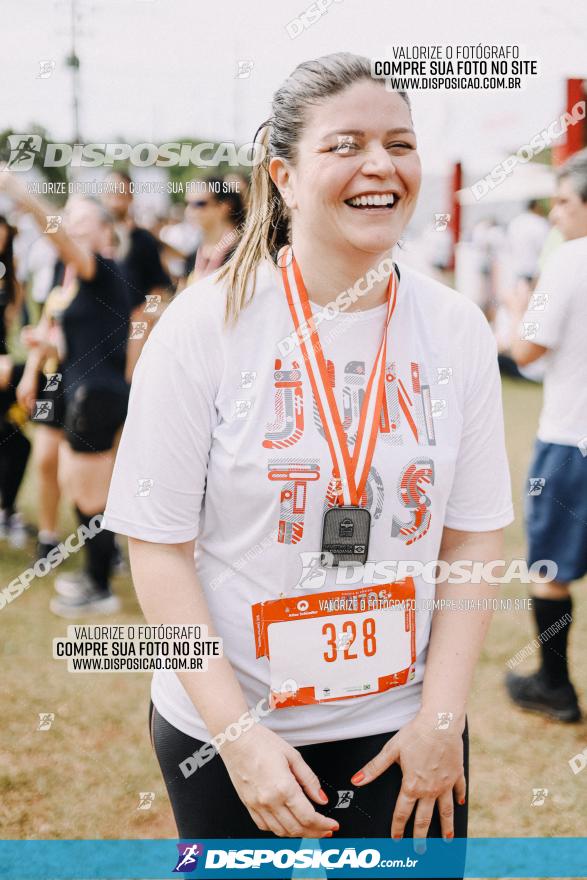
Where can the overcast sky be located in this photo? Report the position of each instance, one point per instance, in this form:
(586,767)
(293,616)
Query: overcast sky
(158,69)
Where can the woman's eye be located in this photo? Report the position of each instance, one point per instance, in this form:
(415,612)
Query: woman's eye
(345,146)
(400,146)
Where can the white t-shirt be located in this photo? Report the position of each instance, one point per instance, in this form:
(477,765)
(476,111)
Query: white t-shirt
(527,235)
(225,433)
(557,319)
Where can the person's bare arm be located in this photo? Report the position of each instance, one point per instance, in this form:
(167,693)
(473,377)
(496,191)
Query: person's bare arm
(165,580)
(523,351)
(457,636)
(270,776)
(39,350)
(82,259)
(431,757)
(144,314)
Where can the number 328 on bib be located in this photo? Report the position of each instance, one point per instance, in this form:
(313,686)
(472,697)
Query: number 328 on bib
(338,645)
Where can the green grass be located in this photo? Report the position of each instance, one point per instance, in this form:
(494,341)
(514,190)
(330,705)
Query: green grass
(82,778)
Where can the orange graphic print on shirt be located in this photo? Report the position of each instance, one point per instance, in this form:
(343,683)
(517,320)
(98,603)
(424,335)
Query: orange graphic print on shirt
(415,478)
(411,409)
(406,414)
(288,426)
(294,475)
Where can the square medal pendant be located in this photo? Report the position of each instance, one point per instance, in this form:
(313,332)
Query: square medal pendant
(345,535)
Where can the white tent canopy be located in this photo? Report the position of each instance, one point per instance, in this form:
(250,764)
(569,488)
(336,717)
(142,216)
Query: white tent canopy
(526,181)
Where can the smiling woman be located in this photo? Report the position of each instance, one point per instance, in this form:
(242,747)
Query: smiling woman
(337,140)
(324,453)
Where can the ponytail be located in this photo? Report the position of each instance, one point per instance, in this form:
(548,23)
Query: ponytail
(265,231)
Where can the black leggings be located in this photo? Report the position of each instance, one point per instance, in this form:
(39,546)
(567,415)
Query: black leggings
(14,445)
(15,449)
(206,805)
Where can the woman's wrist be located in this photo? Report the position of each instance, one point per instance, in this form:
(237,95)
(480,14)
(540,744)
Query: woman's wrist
(230,748)
(445,718)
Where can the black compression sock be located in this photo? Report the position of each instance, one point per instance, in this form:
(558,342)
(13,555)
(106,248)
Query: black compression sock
(16,449)
(553,624)
(99,553)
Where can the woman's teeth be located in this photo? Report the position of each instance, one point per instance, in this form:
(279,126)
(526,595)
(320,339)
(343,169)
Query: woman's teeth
(383,200)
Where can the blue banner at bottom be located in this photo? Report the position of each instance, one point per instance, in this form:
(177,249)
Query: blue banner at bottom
(289,858)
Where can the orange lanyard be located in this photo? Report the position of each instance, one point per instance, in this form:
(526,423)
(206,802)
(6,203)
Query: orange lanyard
(351,471)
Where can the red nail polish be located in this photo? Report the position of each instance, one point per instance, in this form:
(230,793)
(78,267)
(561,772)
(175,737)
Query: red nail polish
(358,777)
(328,834)
(396,836)
(323,796)
(462,801)
(450,835)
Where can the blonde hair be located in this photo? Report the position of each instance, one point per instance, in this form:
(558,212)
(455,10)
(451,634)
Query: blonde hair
(266,228)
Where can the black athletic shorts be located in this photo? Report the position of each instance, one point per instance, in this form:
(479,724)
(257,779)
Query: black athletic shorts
(206,805)
(90,417)
(93,416)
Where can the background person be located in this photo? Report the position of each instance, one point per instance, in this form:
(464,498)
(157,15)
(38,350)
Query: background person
(526,237)
(14,445)
(554,324)
(137,252)
(181,238)
(487,238)
(86,324)
(35,385)
(218,211)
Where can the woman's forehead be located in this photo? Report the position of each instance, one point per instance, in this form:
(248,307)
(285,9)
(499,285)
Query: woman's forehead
(364,106)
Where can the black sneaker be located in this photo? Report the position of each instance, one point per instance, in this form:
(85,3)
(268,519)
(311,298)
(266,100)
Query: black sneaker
(44,548)
(534,693)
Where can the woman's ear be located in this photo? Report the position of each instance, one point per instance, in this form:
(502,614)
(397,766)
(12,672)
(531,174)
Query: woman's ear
(282,175)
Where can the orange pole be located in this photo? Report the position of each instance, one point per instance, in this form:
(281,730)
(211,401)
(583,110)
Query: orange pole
(455,211)
(574,138)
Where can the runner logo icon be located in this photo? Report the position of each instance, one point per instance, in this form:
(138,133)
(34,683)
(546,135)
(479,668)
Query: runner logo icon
(187,859)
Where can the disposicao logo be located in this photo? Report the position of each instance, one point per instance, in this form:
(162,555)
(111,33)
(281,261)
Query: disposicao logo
(187,860)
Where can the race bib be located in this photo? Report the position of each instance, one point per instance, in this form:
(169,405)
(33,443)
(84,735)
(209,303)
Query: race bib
(337,645)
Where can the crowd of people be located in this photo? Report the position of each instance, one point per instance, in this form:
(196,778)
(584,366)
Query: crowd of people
(109,281)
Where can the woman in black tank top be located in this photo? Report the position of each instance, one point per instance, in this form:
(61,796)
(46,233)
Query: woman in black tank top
(14,446)
(84,330)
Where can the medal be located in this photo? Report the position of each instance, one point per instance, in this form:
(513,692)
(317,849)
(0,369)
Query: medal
(345,535)
(346,527)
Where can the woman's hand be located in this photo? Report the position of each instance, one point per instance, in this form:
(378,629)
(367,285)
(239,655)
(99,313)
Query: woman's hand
(270,778)
(516,297)
(26,391)
(29,336)
(432,766)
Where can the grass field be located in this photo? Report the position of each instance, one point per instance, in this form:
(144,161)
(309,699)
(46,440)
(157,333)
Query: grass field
(82,777)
